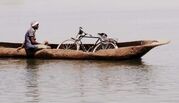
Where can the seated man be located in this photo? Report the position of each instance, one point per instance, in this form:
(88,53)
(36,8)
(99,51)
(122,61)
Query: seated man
(30,44)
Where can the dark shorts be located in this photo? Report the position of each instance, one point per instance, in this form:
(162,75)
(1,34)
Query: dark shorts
(31,52)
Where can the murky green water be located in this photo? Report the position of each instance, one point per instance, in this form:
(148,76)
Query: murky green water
(153,79)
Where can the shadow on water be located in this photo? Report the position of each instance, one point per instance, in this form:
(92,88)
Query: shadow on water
(106,64)
(37,63)
(103,64)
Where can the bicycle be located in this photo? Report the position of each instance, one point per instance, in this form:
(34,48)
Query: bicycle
(102,42)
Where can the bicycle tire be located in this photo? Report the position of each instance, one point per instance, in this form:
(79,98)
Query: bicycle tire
(69,44)
(104,45)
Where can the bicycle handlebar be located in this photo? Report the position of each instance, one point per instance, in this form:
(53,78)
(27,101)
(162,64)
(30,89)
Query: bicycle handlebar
(82,34)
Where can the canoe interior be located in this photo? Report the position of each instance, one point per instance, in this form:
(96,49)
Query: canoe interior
(54,46)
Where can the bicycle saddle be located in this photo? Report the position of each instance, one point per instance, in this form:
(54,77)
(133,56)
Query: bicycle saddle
(80,30)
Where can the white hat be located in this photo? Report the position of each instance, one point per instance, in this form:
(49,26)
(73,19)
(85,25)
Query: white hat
(34,23)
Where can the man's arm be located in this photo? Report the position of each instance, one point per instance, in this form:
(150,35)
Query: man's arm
(22,46)
(33,40)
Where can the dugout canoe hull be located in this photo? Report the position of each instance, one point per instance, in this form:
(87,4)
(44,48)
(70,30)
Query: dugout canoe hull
(126,50)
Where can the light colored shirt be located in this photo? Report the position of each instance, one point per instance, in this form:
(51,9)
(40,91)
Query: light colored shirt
(28,43)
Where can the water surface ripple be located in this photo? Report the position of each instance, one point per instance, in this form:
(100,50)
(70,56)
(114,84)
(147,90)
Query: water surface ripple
(54,81)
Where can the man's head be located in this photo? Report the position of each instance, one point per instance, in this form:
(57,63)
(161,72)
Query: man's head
(35,25)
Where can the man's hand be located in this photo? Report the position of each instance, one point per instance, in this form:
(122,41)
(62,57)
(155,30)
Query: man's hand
(19,48)
(45,42)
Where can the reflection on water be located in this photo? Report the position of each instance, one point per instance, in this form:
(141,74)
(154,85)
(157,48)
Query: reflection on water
(32,84)
(84,79)
(32,64)
(88,81)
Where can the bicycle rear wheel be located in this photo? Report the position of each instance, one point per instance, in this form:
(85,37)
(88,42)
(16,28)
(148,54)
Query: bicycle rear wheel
(69,44)
(103,46)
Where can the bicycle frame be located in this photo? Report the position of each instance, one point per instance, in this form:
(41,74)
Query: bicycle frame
(85,36)
(80,37)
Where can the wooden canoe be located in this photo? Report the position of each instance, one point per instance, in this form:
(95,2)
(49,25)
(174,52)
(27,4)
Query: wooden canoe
(126,50)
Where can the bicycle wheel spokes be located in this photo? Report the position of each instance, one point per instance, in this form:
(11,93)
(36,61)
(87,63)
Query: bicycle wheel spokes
(104,46)
(69,44)
(110,46)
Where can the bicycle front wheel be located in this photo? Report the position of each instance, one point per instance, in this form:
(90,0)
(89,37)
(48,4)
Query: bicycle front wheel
(104,46)
(69,44)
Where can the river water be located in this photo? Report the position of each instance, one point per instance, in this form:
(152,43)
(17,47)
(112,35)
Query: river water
(153,79)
